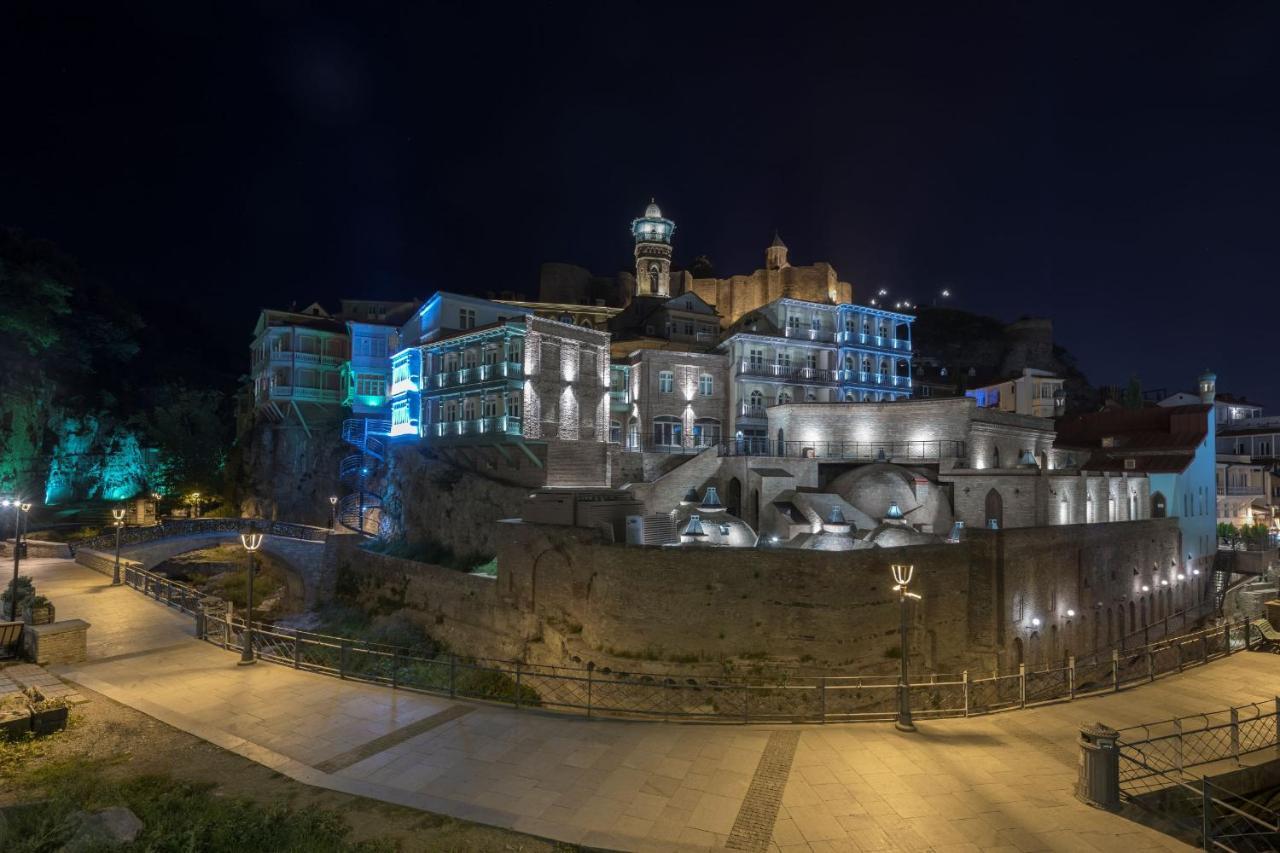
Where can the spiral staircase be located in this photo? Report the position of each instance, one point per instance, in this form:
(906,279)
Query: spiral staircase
(361,472)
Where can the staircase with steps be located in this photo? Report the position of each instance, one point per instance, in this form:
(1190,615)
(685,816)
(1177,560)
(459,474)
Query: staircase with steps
(361,472)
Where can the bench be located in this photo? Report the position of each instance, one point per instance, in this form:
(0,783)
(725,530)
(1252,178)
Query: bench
(10,639)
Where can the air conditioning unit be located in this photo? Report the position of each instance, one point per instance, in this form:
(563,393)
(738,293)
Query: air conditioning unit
(651,530)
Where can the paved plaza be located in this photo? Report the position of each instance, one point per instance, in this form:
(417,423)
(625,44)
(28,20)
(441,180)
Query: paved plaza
(997,783)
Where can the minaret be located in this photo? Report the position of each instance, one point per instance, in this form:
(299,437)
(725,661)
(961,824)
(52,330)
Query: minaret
(1208,387)
(653,252)
(775,257)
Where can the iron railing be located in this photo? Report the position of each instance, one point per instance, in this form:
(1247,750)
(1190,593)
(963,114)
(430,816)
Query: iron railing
(791,697)
(869,451)
(1154,760)
(169,528)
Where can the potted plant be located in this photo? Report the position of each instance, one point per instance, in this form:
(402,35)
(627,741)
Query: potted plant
(48,714)
(37,610)
(15,716)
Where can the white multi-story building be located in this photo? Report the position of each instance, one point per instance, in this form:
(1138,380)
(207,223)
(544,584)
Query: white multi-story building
(1033,392)
(796,351)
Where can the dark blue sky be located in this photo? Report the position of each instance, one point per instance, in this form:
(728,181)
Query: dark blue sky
(1114,167)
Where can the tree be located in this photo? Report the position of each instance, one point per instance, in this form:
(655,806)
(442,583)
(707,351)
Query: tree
(1133,393)
(190,430)
(702,267)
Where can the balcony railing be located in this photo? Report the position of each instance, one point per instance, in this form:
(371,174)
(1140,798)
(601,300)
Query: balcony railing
(619,399)
(786,373)
(746,410)
(292,392)
(1242,491)
(803,334)
(317,358)
(868,451)
(868,377)
(878,341)
(495,426)
(478,373)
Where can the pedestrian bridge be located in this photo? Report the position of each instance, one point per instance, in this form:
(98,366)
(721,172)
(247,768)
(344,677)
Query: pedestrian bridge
(300,547)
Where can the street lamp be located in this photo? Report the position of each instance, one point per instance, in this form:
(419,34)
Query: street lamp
(195,500)
(902,577)
(251,542)
(333,511)
(18,508)
(118,515)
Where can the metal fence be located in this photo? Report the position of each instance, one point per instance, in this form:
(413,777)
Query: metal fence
(1154,760)
(591,690)
(194,526)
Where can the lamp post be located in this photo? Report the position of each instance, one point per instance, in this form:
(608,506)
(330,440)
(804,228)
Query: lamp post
(118,515)
(333,512)
(902,577)
(13,589)
(195,500)
(251,542)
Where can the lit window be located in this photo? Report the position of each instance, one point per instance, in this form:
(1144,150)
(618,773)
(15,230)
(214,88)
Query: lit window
(706,385)
(666,382)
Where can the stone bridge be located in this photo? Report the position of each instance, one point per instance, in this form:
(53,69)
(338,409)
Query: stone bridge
(309,561)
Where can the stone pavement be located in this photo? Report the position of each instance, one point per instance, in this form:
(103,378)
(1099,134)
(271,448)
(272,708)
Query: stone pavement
(999,783)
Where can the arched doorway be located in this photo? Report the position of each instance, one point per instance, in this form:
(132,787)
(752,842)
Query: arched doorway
(1017,652)
(1159,507)
(733,496)
(782,444)
(1033,649)
(994,509)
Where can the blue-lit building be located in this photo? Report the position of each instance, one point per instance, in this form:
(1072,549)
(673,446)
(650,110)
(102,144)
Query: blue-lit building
(476,372)
(792,350)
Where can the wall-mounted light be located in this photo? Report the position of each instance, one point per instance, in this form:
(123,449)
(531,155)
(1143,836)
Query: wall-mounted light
(1146,588)
(1163,582)
(1035,621)
(1070,612)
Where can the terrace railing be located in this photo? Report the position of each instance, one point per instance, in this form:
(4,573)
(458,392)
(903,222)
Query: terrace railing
(593,691)
(170,528)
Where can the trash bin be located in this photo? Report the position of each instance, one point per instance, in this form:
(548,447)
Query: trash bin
(1099,783)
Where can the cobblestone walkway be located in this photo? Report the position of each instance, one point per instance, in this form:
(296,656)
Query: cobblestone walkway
(996,783)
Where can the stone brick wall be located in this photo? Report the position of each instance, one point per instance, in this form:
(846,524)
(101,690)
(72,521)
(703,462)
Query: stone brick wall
(56,643)
(562,595)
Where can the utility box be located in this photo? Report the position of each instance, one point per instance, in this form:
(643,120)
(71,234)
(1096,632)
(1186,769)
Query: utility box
(1099,783)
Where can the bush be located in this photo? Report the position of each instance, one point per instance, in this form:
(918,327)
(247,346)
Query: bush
(26,590)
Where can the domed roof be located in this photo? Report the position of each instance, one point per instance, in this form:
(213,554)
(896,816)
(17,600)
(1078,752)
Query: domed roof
(652,211)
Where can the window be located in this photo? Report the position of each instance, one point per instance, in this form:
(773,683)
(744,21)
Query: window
(784,359)
(466,318)
(513,404)
(784,397)
(469,358)
(449,412)
(370,386)
(615,432)
(514,347)
(706,432)
(617,380)
(757,402)
(469,409)
(925,391)
(706,385)
(793,324)
(688,328)
(490,355)
(756,358)
(490,407)
(666,382)
(816,323)
(666,431)
(811,361)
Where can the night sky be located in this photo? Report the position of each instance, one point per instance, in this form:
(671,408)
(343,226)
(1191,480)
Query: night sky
(1116,167)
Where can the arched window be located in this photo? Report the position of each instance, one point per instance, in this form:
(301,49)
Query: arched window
(866,364)
(1088,509)
(615,432)
(1159,507)
(757,402)
(993,508)
(848,396)
(995,457)
(469,409)
(633,434)
(653,278)
(784,397)
(667,431)
(848,362)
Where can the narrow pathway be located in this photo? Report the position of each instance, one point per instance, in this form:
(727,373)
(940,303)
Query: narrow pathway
(1000,783)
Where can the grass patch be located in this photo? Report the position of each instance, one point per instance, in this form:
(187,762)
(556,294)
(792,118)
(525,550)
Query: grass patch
(176,814)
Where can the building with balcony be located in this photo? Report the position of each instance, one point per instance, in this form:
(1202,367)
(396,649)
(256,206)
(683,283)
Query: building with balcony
(1242,491)
(507,380)
(792,350)
(1033,392)
(296,364)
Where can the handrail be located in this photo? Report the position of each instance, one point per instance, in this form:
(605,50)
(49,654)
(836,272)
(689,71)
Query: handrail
(791,696)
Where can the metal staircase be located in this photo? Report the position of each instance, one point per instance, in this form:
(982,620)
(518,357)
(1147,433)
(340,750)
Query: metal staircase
(361,472)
